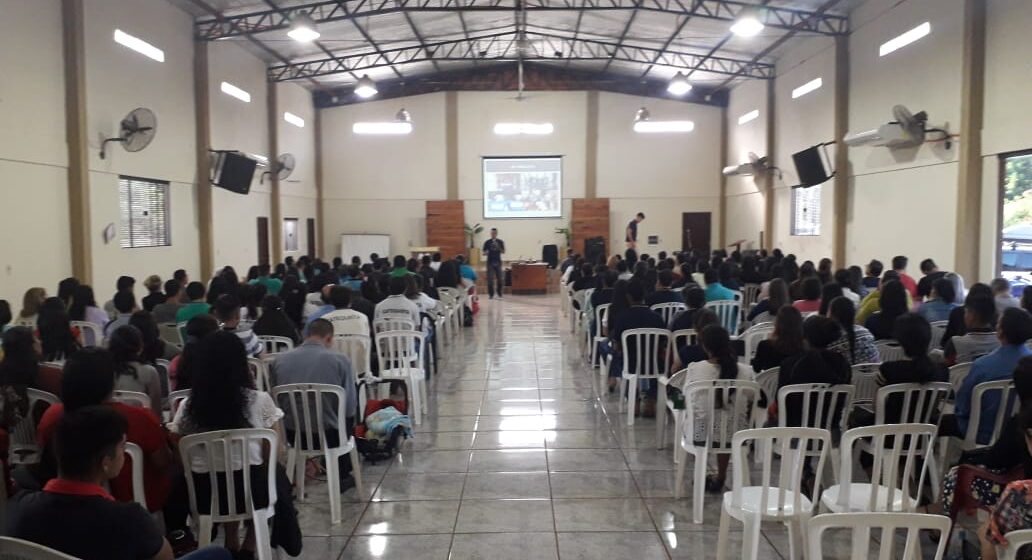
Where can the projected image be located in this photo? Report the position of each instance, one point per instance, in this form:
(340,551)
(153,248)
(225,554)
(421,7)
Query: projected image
(523,187)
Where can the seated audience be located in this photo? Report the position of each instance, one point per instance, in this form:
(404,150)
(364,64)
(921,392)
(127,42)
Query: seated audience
(397,306)
(872,279)
(125,306)
(693,352)
(273,321)
(892,303)
(31,302)
(184,366)
(829,292)
(850,290)
(57,338)
(1012,511)
(817,364)
(715,291)
(1002,293)
(663,293)
(227,312)
(767,309)
(465,270)
(19,371)
(84,307)
(66,289)
(165,312)
(694,300)
(586,278)
(154,347)
(400,267)
(5,315)
(931,274)
(314,311)
(955,325)
(784,342)
(940,301)
(899,265)
(1026,299)
(154,295)
(272,285)
(196,303)
(636,316)
(979,326)
(810,290)
(856,343)
(126,346)
(123,284)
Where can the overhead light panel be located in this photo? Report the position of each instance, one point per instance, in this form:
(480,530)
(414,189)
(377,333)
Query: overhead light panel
(232,90)
(643,124)
(402,124)
(139,45)
(303,28)
(808,87)
(905,39)
(679,85)
(749,117)
(294,119)
(534,129)
(365,88)
(747,24)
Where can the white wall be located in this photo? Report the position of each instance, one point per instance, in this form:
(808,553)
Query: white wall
(745,197)
(298,194)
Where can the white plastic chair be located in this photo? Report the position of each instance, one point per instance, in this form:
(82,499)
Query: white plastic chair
(865,379)
(897,464)
(400,356)
(276,344)
(728,312)
(169,332)
(777,496)
(750,295)
(768,381)
(260,370)
(668,310)
(305,407)
(664,405)
(228,452)
(164,367)
(90,334)
(24,449)
(958,373)
(601,332)
(861,525)
(1009,406)
(889,350)
(136,454)
(938,330)
(819,403)
(1015,541)
(359,349)
(737,398)
(458,307)
(651,359)
(175,400)
(132,398)
(17,549)
(384,325)
(682,337)
(752,337)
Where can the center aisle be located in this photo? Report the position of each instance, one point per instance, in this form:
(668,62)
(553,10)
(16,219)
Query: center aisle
(520,459)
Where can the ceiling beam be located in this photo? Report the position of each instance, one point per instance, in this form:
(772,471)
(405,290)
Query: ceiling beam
(670,39)
(316,42)
(505,47)
(623,35)
(260,21)
(365,35)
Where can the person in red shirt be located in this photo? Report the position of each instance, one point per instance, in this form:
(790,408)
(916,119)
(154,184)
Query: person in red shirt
(899,264)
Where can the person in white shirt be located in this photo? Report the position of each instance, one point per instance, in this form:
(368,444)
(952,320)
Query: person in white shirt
(1001,294)
(344,319)
(842,279)
(396,305)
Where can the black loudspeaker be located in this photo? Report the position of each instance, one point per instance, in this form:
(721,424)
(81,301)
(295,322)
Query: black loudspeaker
(810,167)
(234,172)
(550,254)
(595,250)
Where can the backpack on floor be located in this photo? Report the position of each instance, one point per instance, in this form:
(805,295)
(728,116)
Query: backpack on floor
(375,450)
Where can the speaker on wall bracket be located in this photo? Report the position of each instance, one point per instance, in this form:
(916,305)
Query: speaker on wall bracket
(810,165)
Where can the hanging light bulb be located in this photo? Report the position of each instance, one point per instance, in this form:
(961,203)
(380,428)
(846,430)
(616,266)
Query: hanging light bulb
(303,28)
(747,24)
(679,85)
(365,88)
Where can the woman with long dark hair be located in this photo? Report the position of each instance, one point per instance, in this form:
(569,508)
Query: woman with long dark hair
(126,345)
(829,291)
(815,365)
(893,303)
(18,372)
(721,363)
(786,340)
(274,321)
(84,307)
(66,289)
(56,336)
(856,343)
(767,309)
(293,294)
(447,275)
(154,347)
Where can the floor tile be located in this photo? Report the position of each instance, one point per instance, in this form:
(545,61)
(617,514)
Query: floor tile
(611,546)
(504,546)
(507,460)
(504,516)
(619,484)
(517,439)
(615,514)
(580,439)
(322,548)
(506,485)
(436,486)
(408,518)
(430,461)
(370,547)
(586,460)
(440,441)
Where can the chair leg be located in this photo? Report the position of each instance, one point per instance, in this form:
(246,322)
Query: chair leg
(678,425)
(751,537)
(356,472)
(936,474)
(681,454)
(291,465)
(632,399)
(698,492)
(620,395)
(262,536)
(725,521)
(415,402)
(204,529)
(299,474)
(333,484)
(661,417)
(793,539)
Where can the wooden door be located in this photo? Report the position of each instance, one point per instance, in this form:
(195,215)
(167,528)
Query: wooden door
(263,240)
(311,237)
(695,232)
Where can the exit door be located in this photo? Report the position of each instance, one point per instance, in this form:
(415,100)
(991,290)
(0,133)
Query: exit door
(695,232)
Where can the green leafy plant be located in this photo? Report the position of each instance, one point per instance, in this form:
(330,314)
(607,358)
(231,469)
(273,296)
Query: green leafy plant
(472,231)
(567,233)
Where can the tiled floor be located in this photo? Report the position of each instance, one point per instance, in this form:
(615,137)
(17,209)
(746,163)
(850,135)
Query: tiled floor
(520,459)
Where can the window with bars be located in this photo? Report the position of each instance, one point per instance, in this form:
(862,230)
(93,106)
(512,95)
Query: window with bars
(143,204)
(806,211)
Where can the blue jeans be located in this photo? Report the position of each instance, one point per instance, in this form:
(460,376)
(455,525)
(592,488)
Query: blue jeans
(208,553)
(494,278)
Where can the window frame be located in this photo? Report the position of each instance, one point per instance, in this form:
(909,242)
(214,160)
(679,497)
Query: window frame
(794,225)
(126,217)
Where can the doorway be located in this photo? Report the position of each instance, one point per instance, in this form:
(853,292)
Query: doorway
(263,240)
(695,232)
(1014,246)
(311,237)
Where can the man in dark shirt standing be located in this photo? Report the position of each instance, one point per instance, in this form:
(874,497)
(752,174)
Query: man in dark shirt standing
(632,231)
(494,248)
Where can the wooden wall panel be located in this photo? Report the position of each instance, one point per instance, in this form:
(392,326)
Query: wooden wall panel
(445,226)
(590,218)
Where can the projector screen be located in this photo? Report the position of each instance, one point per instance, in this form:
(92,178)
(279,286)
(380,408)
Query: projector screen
(527,187)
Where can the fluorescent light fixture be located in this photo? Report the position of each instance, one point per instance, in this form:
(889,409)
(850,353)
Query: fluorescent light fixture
(294,119)
(679,85)
(365,88)
(664,126)
(749,117)
(232,90)
(139,45)
(387,127)
(523,128)
(747,26)
(303,29)
(812,85)
(905,39)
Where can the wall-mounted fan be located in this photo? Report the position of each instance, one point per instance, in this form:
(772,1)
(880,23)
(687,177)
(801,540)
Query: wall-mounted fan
(282,167)
(135,132)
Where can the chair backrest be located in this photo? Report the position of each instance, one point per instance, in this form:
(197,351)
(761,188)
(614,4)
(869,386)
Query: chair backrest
(1009,405)
(898,450)
(24,449)
(819,404)
(750,295)
(791,444)
(889,523)
(737,295)
(17,549)
(938,330)
(358,349)
(384,325)
(668,310)
(768,380)
(645,352)
(400,350)
(921,402)
(454,293)
(169,332)
(305,405)
(889,350)
(90,334)
(132,398)
(315,298)
(865,380)
(601,318)
(276,344)
(727,311)
(163,367)
(958,373)
(176,398)
(736,398)
(221,452)
(260,370)
(1016,540)
(683,337)
(752,337)
(136,454)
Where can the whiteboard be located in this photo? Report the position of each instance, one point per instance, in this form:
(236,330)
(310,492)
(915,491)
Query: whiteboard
(364,244)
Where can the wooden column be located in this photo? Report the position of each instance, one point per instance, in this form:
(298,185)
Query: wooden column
(768,180)
(275,206)
(77,138)
(319,214)
(590,218)
(451,145)
(591,148)
(445,227)
(722,210)
(972,105)
(840,217)
(202,127)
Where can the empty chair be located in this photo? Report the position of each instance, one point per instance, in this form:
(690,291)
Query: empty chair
(17,549)
(861,525)
(132,398)
(90,334)
(709,429)
(777,495)
(728,312)
(668,310)
(400,356)
(309,407)
(211,456)
(890,350)
(24,447)
(645,356)
(276,344)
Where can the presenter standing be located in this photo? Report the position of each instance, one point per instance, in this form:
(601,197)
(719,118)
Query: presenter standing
(494,248)
(632,231)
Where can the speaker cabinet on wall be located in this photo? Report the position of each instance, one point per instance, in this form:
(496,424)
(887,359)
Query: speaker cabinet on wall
(234,172)
(810,167)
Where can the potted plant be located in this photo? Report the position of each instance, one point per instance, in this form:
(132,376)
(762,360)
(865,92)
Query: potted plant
(472,231)
(567,233)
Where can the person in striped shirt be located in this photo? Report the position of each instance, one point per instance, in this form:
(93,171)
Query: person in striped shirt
(227,313)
